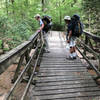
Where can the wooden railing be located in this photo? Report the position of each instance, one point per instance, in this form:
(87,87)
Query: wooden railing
(87,43)
(23,52)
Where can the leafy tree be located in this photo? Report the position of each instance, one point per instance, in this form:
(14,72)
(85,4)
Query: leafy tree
(91,10)
(17,21)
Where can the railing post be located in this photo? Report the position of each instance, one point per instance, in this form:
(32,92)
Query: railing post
(99,63)
(27,59)
(86,42)
(18,68)
(90,44)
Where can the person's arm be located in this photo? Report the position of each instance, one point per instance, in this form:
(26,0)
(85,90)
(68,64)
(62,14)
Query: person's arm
(69,36)
(41,27)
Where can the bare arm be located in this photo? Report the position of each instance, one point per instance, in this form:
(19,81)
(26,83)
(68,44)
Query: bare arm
(41,27)
(69,36)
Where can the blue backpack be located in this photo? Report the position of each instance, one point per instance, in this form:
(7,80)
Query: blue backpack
(78,26)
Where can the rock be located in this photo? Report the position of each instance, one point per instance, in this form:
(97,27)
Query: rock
(1,51)
(6,46)
(2,97)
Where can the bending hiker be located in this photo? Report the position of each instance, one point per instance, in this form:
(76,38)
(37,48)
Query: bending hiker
(48,23)
(44,30)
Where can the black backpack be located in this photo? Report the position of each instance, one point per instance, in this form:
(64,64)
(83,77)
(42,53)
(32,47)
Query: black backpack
(46,22)
(77,26)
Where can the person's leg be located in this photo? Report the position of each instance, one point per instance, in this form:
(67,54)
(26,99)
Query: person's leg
(46,40)
(74,48)
(71,52)
(71,48)
(45,36)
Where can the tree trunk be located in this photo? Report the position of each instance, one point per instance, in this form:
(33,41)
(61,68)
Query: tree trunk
(12,1)
(43,5)
(89,22)
(26,3)
(60,16)
(6,6)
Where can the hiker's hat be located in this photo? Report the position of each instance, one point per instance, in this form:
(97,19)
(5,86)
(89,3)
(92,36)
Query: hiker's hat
(67,18)
(37,15)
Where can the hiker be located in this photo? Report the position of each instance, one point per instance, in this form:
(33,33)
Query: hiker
(44,31)
(47,22)
(70,37)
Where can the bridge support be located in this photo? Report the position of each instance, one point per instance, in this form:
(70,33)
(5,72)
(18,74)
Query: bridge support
(18,68)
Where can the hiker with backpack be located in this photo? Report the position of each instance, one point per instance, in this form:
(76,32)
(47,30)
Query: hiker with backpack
(44,31)
(74,30)
(47,20)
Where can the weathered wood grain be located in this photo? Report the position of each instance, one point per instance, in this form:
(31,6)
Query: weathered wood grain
(63,79)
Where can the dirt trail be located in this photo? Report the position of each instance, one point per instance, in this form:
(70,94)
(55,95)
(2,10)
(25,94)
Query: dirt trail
(5,81)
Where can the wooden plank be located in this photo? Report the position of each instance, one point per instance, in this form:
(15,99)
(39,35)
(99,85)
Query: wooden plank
(64,74)
(57,71)
(66,64)
(65,68)
(54,61)
(65,91)
(48,59)
(68,77)
(65,82)
(62,66)
(59,60)
(69,95)
(74,86)
(60,76)
(51,74)
(80,98)
(63,79)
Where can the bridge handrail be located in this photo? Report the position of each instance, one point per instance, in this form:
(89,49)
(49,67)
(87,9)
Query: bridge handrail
(87,46)
(11,56)
(23,51)
(92,36)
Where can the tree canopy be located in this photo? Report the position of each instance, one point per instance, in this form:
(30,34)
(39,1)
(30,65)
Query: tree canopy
(17,21)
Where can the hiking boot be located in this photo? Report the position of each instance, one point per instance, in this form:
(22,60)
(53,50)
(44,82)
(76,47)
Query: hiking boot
(74,57)
(46,51)
(69,58)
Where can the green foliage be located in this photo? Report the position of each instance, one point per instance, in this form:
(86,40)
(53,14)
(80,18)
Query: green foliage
(17,21)
(58,27)
(0,44)
(15,32)
(60,8)
(6,49)
(91,17)
(3,26)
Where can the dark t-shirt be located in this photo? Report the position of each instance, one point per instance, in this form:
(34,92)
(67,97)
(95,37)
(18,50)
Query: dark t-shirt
(46,22)
(70,27)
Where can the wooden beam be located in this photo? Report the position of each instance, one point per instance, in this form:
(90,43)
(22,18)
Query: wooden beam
(7,59)
(92,36)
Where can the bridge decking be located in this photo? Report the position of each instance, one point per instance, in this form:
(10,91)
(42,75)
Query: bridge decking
(62,79)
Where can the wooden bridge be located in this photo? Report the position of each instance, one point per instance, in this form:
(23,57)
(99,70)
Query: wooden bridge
(58,78)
